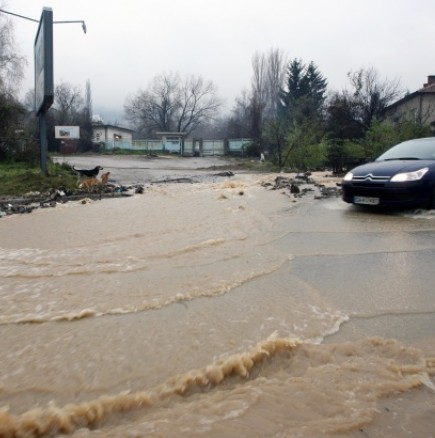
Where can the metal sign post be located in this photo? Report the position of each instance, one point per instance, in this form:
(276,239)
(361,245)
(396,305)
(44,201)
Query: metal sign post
(44,84)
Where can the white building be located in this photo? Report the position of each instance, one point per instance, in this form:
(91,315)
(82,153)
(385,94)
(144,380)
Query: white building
(111,136)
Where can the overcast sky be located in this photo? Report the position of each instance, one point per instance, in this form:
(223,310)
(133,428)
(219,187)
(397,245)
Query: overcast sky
(131,41)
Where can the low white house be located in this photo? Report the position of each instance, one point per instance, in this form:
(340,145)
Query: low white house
(111,136)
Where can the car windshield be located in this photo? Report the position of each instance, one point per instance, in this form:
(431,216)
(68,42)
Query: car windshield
(419,149)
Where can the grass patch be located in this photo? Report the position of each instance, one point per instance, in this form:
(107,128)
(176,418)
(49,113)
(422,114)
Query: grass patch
(18,178)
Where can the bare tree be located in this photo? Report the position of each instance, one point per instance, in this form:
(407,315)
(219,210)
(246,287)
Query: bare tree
(259,78)
(239,122)
(268,80)
(197,103)
(276,68)
(11,64)
(154,109)
(372,94)
(68,103)
(259,93)
(12,113)
(173,104)
(266,85)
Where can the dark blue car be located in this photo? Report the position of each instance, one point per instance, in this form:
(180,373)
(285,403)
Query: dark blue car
(403,176)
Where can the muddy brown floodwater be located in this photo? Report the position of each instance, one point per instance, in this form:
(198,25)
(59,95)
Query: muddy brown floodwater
(218,308)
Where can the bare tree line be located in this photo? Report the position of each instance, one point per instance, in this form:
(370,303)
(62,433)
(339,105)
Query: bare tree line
(287,108)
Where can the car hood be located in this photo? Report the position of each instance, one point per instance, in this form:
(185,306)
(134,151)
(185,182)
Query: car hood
(390,168)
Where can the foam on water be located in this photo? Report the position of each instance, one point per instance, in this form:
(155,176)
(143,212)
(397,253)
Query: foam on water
(367,372)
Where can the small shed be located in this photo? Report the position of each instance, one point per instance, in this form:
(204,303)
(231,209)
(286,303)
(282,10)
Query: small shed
(173,142)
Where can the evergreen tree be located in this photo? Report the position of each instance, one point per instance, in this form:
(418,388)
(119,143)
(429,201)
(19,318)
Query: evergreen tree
(295,73)
(315,85)
(302,104)
(305,92)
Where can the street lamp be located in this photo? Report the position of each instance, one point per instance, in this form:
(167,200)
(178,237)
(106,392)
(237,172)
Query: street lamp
(44,83)
(54,22)
(73,21)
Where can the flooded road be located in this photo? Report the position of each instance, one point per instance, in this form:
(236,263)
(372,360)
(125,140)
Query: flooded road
(216,309)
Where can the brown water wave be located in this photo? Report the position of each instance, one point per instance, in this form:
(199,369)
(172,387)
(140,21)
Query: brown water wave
(37,263)
(120,257)
(330,388)
(50,308)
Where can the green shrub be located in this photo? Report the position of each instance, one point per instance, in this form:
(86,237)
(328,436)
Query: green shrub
(18,178)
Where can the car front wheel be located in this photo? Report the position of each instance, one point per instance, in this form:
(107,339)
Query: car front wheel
(431,201)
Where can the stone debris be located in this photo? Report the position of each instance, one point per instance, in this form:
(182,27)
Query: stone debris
(301,184)
(33,200)
(329,191)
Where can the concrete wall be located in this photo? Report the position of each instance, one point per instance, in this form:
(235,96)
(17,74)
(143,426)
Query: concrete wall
(188,147)
(419,108)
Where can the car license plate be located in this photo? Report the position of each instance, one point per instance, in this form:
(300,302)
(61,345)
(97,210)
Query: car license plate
(365,200)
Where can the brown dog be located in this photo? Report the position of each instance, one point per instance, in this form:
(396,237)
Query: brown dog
(105,178)
(89,184)
(93,184)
